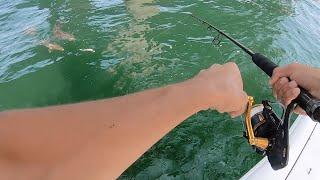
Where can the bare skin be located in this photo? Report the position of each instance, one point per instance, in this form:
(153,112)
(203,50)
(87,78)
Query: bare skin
(302,75)
(100,139)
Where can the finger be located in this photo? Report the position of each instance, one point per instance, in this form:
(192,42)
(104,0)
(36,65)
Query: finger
(286,92)
(291,95)
(293,84)
(285,71)
(219,109)
(215,66)
(232,64)
(275,76)
(290,92)
(234,67)
(278,86)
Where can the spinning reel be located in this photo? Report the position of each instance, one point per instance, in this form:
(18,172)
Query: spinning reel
(268,133)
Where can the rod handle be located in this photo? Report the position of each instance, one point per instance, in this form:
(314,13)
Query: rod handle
(304,100)
(264,63)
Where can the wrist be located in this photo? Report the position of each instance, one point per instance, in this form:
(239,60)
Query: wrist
(198,94)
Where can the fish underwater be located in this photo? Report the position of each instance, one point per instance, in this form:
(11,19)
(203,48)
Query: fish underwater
(51,46)
(58,33)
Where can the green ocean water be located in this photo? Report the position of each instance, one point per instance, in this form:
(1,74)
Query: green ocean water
(141,44)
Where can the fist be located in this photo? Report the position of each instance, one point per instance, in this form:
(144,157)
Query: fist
(222,88)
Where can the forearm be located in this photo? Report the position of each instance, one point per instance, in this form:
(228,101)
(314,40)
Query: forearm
(141,120)
(100,139)
(143,125)
(102,136)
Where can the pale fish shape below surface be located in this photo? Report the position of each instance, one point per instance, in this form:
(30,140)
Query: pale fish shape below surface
(61,34)
(51,46)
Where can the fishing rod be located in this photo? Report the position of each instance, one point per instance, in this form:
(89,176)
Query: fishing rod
(265,131)
(304,100)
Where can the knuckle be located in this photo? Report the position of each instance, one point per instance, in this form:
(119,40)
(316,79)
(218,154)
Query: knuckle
(220,110)
(215,66)
(232,65)
(276,71)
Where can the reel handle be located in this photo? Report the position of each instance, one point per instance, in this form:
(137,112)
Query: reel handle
(304,100)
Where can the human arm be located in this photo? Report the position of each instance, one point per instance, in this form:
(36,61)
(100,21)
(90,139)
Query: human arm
(305,76)
(100,139)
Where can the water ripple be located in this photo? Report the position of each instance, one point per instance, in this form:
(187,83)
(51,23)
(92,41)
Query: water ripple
(300,37)
(16,45)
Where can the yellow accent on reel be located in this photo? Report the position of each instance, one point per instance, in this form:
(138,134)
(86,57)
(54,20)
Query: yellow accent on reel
(259,142)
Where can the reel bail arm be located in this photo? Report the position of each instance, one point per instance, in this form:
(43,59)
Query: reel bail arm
(261,143)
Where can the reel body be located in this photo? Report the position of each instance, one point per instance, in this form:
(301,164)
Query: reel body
(268,133)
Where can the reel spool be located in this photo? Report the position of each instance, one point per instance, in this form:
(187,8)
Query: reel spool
(267,133)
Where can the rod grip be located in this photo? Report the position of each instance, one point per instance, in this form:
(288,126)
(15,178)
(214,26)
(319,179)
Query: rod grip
(304,100)
(264,63)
